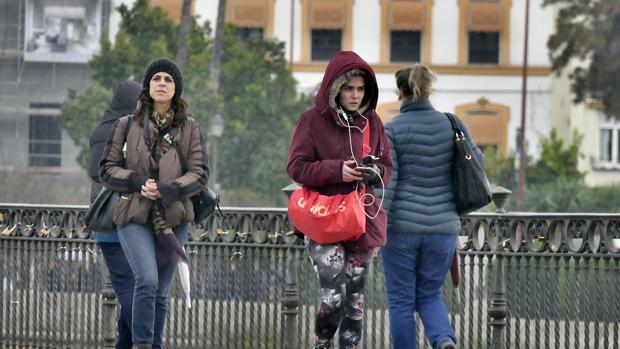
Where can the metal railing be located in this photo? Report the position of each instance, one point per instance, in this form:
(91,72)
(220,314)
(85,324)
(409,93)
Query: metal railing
(527,281)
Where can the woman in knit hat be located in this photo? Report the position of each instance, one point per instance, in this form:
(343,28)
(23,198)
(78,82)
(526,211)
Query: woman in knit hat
(156,184)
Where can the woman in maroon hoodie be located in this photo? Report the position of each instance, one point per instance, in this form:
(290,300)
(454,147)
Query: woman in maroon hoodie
(325,155)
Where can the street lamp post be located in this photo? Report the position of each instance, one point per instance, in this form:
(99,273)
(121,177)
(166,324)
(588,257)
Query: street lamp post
(216,129)
(522,149)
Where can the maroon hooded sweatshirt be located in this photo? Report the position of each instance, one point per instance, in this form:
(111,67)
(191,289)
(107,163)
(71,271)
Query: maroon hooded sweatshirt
(320,143)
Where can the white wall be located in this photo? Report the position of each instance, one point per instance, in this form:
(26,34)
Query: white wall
(282,24)
(445,32)
(367,30)
(541,26)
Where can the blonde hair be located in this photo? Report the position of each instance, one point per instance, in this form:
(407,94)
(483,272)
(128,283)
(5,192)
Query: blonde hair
(415,81)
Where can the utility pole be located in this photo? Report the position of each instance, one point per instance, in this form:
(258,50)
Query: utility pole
(184,28)
(214,78)
(522,149)
(292,38)
(217,123)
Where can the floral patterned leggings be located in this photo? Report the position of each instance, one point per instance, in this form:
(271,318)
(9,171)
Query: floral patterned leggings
(341,272)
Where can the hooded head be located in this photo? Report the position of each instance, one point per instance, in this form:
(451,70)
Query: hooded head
(341,68)
(124,100)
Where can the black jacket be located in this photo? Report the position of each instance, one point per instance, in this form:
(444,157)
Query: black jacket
(123,103)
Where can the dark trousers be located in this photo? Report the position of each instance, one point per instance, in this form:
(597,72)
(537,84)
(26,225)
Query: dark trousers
(123,284)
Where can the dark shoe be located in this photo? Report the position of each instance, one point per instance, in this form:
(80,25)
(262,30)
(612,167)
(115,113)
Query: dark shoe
(447,345)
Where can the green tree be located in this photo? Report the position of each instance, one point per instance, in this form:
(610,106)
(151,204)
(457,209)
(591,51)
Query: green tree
(557,159)
(500,168)
(554,184)
(260,111)
(260,108)
(588,30)
(80,114)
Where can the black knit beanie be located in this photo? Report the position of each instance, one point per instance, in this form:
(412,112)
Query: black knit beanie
(167,66)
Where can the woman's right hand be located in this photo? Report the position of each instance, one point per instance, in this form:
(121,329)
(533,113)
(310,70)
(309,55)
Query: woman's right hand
(150,191)
(349,173)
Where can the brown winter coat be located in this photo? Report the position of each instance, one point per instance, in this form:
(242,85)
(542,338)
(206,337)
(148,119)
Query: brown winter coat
(133,207)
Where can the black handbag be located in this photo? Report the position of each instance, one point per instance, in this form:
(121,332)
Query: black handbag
(206,201)
(99,215)
(471,186)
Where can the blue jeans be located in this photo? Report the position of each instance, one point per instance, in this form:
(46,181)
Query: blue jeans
(150,299)
(121,277)
(416,266)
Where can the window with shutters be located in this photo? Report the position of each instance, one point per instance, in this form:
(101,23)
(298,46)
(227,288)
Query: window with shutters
(44,141)
(325,43)
(485,34)
(609,144)
(483,48)
(406,27)
(326,28)
(246,34)
(251,18)
(405,46)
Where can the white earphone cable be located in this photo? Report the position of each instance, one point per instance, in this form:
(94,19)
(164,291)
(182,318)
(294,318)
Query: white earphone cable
(361,199)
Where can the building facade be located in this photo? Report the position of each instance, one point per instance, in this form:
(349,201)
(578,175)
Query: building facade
(600,145)
(474,46)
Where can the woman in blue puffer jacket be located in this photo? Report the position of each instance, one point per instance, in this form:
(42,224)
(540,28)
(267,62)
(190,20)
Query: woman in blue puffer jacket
(423,223)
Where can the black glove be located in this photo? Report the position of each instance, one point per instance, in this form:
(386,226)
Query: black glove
(136,181)
(370,175)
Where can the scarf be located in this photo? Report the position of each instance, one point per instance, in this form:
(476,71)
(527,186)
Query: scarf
(168,250)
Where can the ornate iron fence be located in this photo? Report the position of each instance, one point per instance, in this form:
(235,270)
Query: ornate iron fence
(528,281)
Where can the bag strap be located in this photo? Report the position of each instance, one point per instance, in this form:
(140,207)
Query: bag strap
(128,126)
(458,133)
(366,143)
(124,150)
(147,133)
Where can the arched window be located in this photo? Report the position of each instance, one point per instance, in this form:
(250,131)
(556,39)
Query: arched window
(487,123)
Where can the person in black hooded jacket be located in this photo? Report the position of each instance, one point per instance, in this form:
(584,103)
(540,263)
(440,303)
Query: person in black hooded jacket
(121,276)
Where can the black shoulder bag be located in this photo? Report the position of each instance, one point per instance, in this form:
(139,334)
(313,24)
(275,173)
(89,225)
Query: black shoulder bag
(471,187)
(206,201)
(99,215)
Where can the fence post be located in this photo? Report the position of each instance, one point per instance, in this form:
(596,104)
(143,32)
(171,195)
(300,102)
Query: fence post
(290,303)
(498,308)
(108,313)
(291,300)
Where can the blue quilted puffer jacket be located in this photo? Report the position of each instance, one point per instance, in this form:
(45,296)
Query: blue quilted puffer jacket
(419,198)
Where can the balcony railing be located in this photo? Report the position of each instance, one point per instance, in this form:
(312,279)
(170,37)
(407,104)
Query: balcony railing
(527,281)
